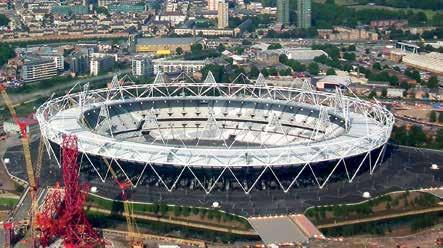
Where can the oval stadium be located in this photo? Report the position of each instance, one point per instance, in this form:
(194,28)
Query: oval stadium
(243,136)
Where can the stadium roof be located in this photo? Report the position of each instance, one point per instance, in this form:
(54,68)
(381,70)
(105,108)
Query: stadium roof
(362,134)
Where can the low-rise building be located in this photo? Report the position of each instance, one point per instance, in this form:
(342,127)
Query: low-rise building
(38,68)
(331,82)
(348,34)
(388,23)
(395,92)
(205,31)
(268,57)
(127,8)
(174,66)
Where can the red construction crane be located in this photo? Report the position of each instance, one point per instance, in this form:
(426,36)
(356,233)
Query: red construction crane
(8,229)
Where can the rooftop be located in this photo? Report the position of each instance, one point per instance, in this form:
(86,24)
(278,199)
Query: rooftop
(167,41)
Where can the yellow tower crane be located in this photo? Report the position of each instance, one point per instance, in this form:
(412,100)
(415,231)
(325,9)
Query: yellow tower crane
(27,154)
(133,236)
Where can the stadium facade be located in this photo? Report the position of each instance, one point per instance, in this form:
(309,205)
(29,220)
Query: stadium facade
(245,135)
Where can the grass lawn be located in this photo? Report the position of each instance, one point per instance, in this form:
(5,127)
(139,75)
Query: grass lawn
(7,203)
(379,206)
(429,13)
(198,215)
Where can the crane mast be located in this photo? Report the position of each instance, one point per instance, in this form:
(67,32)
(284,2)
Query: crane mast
(27,154)
(133,235)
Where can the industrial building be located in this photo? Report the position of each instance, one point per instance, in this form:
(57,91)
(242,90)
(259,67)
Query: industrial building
(432,62)
(302,54)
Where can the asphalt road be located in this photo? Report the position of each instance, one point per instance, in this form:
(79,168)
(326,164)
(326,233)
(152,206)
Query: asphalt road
(403,168)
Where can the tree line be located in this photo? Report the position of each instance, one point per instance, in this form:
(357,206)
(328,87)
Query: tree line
(4,21)
(415,136)
(6,52)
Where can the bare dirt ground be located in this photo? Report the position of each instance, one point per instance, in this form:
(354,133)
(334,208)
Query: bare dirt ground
(421,114)
(425,239)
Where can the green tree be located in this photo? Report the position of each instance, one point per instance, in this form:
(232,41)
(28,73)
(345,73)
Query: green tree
(439,138)
(376,66)
(416,136)
(179,50)
(163,208)
(4,21)
(440,117)
(332,50)
(414,74)
(372,94)
(177,211)
(103,10)
(221,48)
(283,59)
(195,211)
(186,211)
(384,92)
(433,116)
(433,82)
(253,73)
(274,46)
(331,71)
(296,66)
(197,47)
(285,72)
(437,19)
(400,136)
(349,56)
(393,80)
(6,52)
(217,71)
(313,68)
(155,208)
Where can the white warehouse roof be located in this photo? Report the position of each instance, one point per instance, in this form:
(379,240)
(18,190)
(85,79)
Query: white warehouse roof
(432,62)
(302,54)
